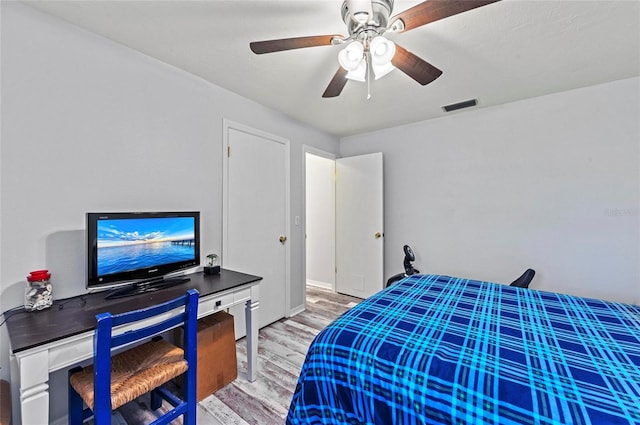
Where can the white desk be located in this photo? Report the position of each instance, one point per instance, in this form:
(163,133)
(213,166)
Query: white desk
(57,338)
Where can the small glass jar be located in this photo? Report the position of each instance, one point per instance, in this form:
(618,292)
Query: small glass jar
(39,294)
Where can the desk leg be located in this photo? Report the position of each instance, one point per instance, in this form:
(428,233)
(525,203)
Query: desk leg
(32,389)
(251,315)
(15,390)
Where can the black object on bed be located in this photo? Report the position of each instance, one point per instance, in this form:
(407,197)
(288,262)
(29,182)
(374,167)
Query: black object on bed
(525,279)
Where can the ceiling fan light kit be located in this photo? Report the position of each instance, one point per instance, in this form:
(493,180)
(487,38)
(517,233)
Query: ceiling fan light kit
(367,49)
(355,56)
(351,56)
(382,51)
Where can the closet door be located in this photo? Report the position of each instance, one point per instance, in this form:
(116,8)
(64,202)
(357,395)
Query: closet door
(255,216)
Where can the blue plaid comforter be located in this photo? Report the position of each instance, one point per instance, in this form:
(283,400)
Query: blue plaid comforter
(441,350)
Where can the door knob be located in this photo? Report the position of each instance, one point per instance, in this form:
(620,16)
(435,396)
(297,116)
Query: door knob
(378,235)
(283,239)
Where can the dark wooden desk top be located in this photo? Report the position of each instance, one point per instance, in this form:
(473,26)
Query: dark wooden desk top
(73,316)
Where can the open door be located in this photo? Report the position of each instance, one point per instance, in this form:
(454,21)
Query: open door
(359,225)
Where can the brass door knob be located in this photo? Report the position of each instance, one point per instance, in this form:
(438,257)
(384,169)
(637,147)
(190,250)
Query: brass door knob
(378,235)
(283,239)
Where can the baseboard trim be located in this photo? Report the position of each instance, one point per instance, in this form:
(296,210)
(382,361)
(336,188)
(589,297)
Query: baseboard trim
(296,310)
(319,284)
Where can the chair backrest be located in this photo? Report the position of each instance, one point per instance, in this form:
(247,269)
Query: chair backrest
(104,340)
(524,280)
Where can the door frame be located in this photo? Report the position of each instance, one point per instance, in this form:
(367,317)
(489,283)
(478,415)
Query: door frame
(227,125)
(318,152)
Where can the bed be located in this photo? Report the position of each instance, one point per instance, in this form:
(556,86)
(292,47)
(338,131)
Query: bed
(442,350)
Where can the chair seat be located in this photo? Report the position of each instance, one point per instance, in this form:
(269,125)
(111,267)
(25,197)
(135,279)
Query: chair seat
(134,372)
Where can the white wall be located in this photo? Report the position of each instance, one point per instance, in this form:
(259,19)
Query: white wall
(320,220)
(551,183)
(89,125)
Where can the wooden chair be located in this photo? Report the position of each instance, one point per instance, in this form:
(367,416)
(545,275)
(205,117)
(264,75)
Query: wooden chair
(115,380)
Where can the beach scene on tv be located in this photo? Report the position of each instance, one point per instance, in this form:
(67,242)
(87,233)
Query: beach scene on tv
(132,244)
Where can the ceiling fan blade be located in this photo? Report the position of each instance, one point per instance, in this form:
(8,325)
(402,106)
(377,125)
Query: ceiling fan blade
(434,10)
(416,68)
(270,46)
(337,83)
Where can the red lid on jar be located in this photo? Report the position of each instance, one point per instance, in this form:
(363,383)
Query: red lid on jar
(38,275)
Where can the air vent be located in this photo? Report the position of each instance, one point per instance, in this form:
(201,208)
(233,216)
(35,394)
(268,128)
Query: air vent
(460,105)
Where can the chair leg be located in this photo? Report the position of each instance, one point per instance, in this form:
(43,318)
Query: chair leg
(156,400)
(102,417)
(190,394)
(190,415)
(75,403)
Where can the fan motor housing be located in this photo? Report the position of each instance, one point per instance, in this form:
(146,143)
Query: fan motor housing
(378,22)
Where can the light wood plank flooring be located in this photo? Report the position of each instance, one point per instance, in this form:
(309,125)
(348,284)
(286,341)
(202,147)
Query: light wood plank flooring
(281,351)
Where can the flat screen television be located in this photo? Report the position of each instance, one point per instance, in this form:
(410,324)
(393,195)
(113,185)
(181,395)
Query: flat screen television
(135,252)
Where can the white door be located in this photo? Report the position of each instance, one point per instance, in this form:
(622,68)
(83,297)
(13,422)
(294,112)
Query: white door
(359,225)
(255,216)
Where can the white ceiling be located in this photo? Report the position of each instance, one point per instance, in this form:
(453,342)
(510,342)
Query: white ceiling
(498,53)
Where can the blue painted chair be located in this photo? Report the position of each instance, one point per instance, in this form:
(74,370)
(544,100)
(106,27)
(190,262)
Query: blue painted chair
(115,380)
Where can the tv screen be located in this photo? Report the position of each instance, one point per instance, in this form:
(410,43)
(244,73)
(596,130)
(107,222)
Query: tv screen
(130,247)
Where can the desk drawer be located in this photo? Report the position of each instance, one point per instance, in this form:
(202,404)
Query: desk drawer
(215,304)
(243,295)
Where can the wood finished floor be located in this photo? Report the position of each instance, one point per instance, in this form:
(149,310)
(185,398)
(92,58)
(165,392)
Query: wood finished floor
(282,348)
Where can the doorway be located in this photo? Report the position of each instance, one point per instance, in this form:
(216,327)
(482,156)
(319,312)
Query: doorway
(353,257)
(320,220)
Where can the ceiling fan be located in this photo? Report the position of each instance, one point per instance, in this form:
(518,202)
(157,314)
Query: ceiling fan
(367,50)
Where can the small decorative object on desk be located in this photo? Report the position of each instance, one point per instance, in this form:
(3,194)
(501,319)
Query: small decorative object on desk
(38,294)
(213,265)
